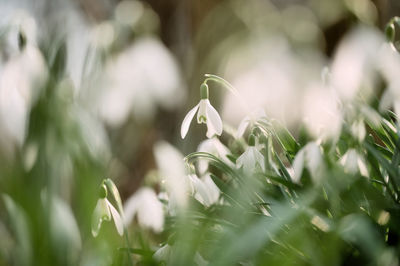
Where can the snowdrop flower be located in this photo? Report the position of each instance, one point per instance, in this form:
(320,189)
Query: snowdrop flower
(309,156)
(205,190)
(249,120)
(172,169)
(251,158)
(215,147)
(148,208)
(105,211)
(353,162)
(206,114)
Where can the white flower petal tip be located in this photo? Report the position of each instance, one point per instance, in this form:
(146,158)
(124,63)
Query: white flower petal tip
(310,156)
(187,120)
(206,114)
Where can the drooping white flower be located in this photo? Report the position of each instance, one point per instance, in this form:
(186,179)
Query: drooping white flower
(105,211)
(204,189)
(309,156)
(251,158)
(149,210)
(206,114)
(248,120)
(353,162)
(215,147)
(172,170)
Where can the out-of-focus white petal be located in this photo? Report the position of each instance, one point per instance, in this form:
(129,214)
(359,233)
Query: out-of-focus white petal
(187,120)
(214,122)
(63,226)
(321,112)
(258,157)
(171,165)
(313,157)
(386,100)
(298,165)
(148,208)
(242,127)
(353,64)
(353,162)
(358,130)
(201,193)
(215,147)
(349,161)
(101,213)
(117,218)
(163,253)
(212,189)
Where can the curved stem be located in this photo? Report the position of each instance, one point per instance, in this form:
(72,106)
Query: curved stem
(228,86)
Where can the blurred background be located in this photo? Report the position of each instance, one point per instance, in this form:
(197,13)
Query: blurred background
(87,87)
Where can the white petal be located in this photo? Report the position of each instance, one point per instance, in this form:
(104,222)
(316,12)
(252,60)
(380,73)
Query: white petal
(259,158)
(163,253)
(171,166)
(362,166)
(298,165)
(150,212)
(117,219)
(101,213)
(199,190)
(212,189)
(214,122)
(313,157)
(187,120)
(247,161)
(386,100)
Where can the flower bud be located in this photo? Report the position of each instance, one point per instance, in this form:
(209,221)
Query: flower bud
(252,140)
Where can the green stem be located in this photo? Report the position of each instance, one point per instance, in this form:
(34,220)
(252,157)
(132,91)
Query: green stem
(228,86)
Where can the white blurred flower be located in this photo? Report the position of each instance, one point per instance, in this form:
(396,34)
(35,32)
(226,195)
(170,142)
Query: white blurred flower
(206,114)
(149,210)
(358,130)
(251,158)
(321,112)
(205,190)
(353,162)
(309,156)
(353,66)
(215,147)
(172,169)
(389,65)
(20,81)
(133,82)
(250,120)
(104,211)
(64,229)
(268,75)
